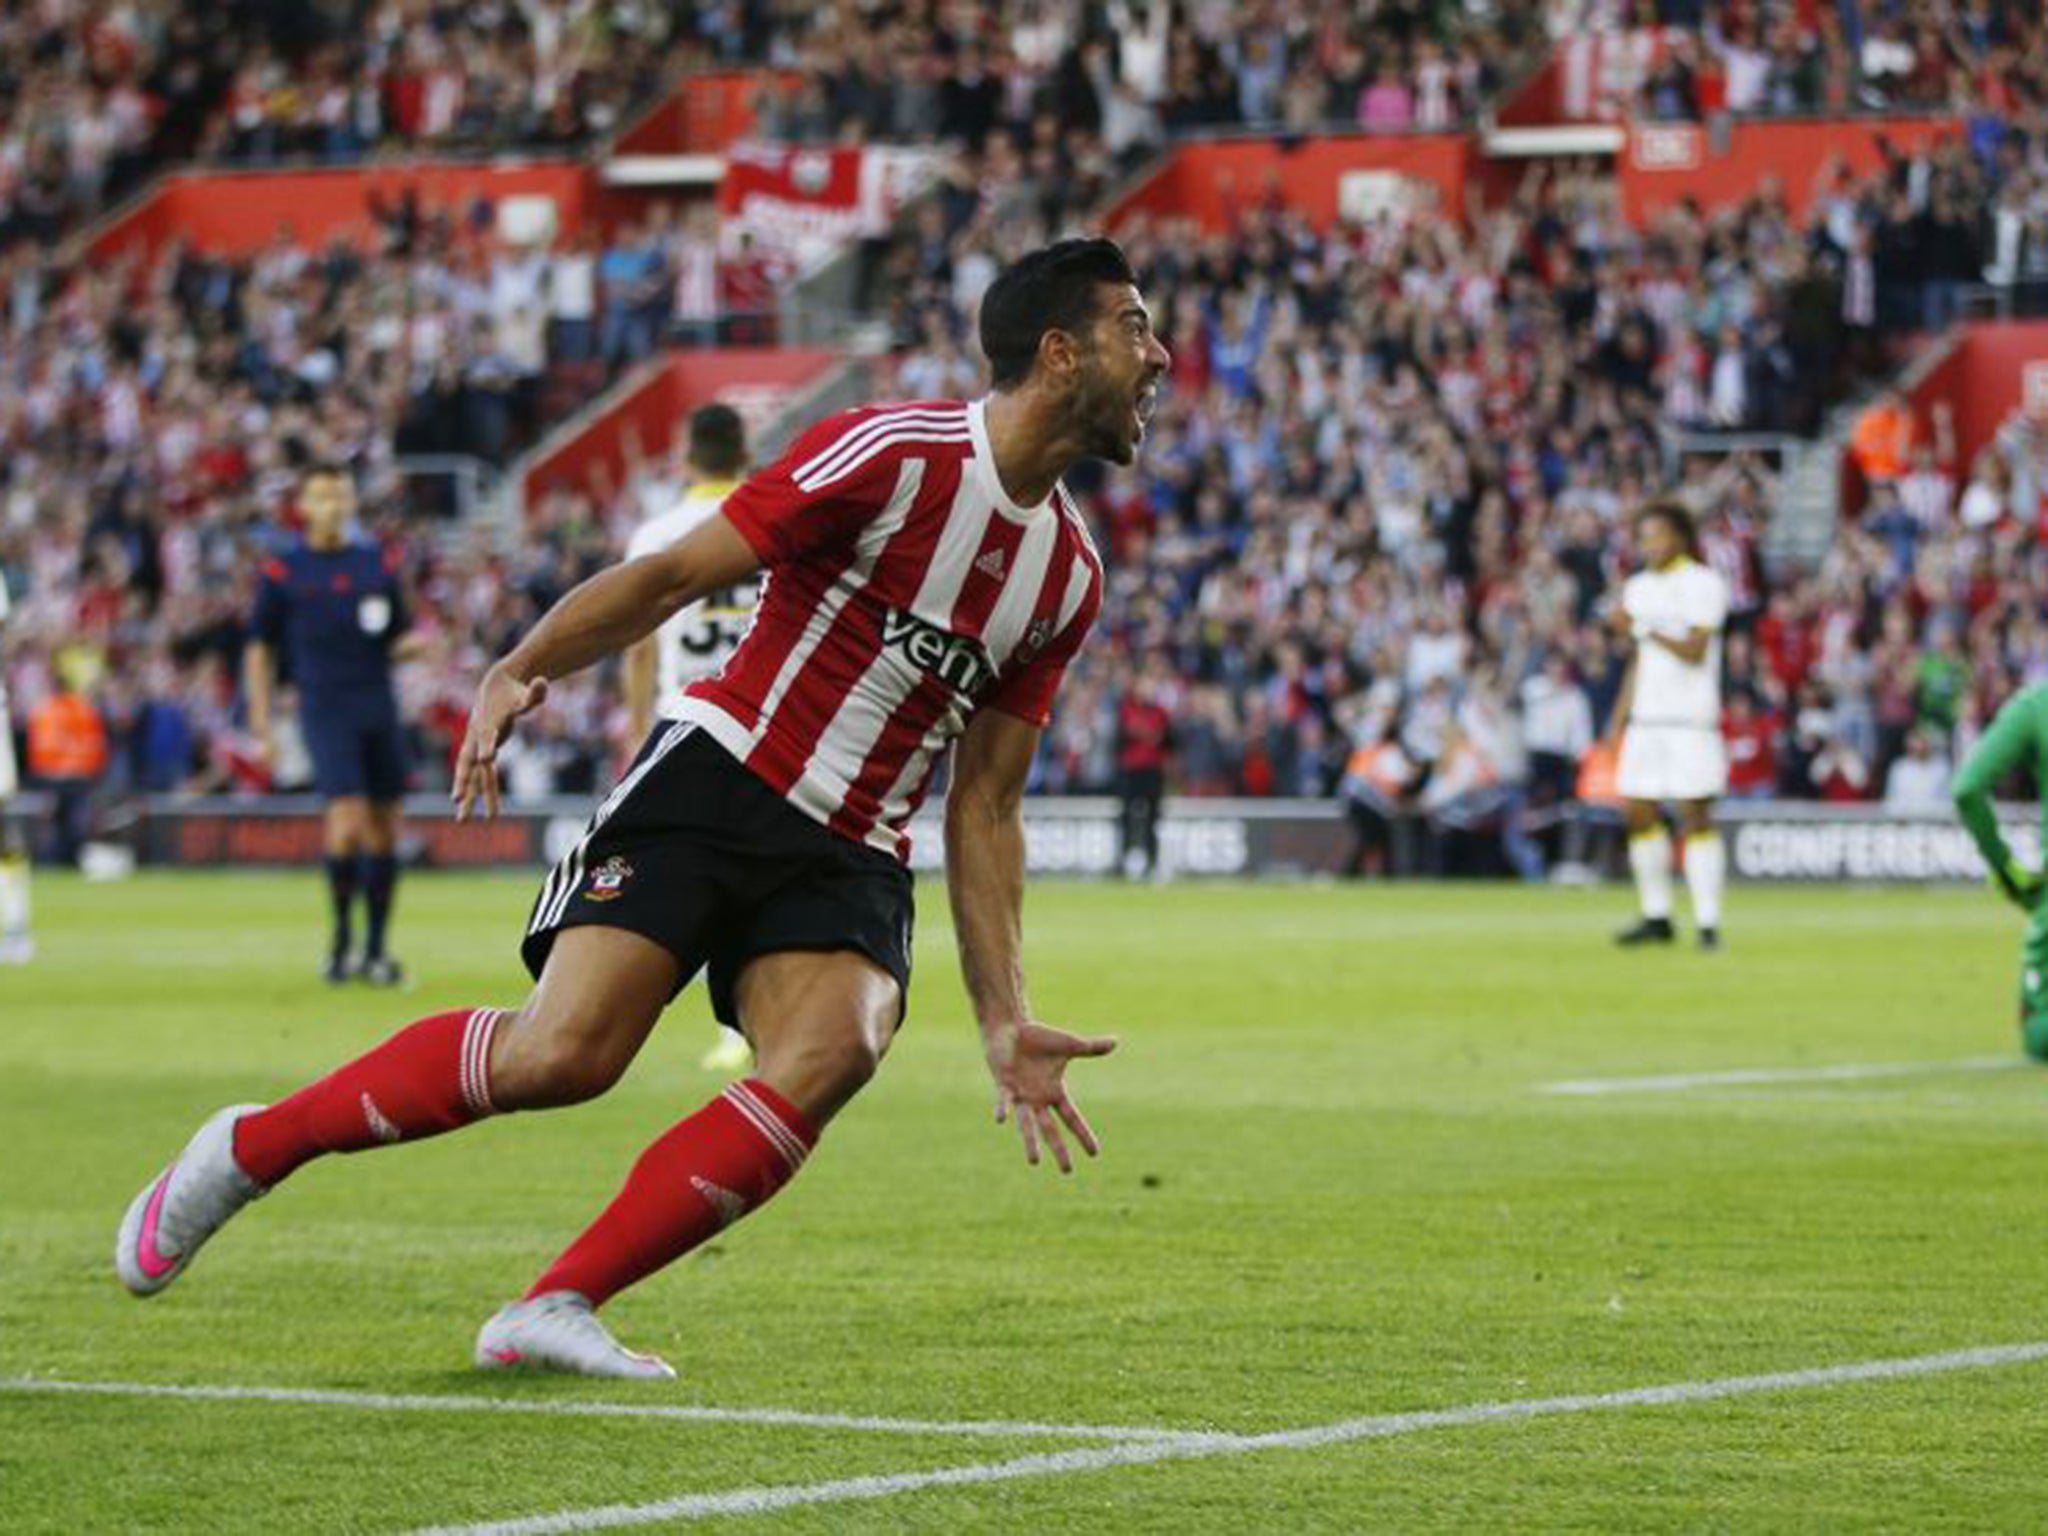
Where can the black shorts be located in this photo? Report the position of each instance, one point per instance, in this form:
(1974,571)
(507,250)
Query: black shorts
(694,852)
(354,753)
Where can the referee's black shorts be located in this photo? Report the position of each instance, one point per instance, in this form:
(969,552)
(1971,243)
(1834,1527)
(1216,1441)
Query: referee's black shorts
(357,750)
(694,852)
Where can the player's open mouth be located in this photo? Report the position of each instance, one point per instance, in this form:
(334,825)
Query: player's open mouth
(1142,408)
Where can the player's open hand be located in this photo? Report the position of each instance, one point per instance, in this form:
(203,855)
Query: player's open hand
(1029,1063)
(500,701)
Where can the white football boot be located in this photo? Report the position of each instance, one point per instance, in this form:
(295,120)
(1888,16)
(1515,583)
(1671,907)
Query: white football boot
(183,1206)
(559,1332)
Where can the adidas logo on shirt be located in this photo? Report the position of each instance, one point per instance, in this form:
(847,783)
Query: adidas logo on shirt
(991,565)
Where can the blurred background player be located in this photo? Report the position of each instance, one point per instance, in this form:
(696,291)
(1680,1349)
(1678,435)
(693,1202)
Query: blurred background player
(1144,746)
(16,945)
(1669,722)
(68,751)
(2015,740)
(697,640)
(330,610)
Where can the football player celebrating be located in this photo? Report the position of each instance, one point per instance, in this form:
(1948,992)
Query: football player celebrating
(929,582)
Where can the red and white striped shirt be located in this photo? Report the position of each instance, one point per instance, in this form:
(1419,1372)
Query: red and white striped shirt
(905,591)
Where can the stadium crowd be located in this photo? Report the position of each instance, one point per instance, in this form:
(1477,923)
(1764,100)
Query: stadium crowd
(1131,72)
(94,95)
(1368,552)
(91,97)
(1380,517)
(155,416)
(1977,56)
(1690,59)
(380,74)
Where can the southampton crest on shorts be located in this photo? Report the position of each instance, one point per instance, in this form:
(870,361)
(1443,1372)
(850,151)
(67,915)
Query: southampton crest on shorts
(608,879)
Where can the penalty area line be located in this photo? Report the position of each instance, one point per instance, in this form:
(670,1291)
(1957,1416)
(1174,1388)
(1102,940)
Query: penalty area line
(752,1501)
(412,1402)
(1745,1077)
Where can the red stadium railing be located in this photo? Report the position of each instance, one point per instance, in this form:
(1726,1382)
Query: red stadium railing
(702,114)
(237,213)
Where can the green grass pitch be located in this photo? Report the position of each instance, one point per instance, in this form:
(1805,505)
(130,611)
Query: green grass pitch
(1330,1187)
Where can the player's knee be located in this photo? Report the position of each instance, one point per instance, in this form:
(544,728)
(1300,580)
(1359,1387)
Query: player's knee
(347,822)
(380,830)
(823,1065)
(842,1059)
(552,1072)
(547,1061)
(853,1056)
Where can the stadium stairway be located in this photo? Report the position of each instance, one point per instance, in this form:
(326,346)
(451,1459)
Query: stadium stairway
(1809,497)
(1810,502)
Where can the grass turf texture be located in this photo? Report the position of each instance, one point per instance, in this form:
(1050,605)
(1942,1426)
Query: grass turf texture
(1329,1189)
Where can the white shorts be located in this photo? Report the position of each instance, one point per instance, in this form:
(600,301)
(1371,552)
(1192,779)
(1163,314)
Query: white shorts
(1672,762)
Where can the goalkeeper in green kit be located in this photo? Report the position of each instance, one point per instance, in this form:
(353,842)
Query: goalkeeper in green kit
(2019,736)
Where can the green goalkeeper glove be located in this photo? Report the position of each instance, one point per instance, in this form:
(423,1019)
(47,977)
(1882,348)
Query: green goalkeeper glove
(2019,885)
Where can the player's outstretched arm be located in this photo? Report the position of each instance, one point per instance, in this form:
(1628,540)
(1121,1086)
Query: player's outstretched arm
(1624,702)
(1690,648)
(600,616)
(257,678)
(2003,747)
(985,884)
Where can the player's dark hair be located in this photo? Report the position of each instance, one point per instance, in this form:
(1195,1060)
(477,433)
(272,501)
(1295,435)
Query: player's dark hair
(1676,516)
(718,440)
(1052,289)
(326,469)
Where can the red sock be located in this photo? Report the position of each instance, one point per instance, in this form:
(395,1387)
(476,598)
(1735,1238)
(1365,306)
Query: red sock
(430,1077)
(701,1176)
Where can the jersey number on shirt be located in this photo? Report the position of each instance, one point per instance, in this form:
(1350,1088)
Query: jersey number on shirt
(718,623)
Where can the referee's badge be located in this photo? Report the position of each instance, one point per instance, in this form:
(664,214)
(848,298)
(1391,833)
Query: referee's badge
(373,613)
(608,879)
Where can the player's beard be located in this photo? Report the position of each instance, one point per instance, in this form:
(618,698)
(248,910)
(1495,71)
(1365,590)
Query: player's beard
(1103,409)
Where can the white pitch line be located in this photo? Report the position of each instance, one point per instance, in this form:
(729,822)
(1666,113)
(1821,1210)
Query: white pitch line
(1843,1072)
(752,1501)
(990,1429)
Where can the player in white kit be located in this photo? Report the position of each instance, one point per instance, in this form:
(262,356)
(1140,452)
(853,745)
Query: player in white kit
(16,947)
(696,642)
(1669,721)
